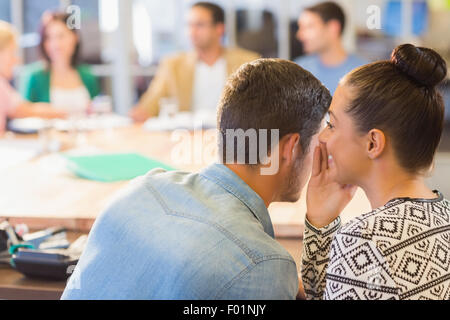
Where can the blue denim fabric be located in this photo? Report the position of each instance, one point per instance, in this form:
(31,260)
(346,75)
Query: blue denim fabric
(174,235)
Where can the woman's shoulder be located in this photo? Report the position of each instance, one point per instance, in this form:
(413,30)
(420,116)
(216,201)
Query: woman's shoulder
(89,79)
(85,70)
(399,220)
(34,81)
(86,74)
(38,68)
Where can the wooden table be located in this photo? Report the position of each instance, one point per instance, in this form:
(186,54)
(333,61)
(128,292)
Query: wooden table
(14,286)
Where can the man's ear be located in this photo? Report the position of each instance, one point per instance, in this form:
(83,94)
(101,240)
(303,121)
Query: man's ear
(220,27)
(335,26)
(376,143)
(289,145)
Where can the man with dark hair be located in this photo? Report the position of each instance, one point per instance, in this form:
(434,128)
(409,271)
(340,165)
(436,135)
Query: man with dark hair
(321,28)
(218,14)
(195,79)
(208,235)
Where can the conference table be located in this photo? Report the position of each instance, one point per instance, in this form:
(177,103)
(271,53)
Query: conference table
(42,192)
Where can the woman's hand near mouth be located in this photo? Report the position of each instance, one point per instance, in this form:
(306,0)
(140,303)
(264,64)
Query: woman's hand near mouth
(326,198)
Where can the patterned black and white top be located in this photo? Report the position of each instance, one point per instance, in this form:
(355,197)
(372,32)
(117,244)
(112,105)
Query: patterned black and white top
(400,251)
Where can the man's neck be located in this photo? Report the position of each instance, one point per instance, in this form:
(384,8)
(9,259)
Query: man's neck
(334,55)
(211,54)
(262,185)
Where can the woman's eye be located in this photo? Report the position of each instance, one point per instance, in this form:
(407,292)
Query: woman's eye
(329,125)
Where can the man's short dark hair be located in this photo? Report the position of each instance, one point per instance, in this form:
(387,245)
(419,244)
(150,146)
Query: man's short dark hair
(218,14)
(329,11)
(272,94)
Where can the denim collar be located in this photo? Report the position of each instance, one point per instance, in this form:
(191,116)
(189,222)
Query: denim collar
(228,180)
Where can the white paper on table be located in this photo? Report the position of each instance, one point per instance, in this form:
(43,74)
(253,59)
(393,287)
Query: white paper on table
(108,121)
(16,151)
(182,120)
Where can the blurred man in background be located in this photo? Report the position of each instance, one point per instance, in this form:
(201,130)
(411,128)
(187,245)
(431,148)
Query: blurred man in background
(321,28)
(195,79)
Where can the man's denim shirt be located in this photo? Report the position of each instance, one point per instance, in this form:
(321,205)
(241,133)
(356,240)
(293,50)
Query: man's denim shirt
(174,235)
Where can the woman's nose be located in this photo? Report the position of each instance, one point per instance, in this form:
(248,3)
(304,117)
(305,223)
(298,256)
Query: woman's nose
(323,136)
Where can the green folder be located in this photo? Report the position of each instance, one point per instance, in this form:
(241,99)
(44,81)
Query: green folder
(113,167)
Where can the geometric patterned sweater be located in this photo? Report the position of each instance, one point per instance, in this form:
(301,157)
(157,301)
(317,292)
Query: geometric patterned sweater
(400,251)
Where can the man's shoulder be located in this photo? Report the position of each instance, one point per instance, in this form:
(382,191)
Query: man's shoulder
(178,58)
(307,60)
(355,60)
(242,54)
(233,55)
(167,192)
(200,203)
(217,209)
(310,63)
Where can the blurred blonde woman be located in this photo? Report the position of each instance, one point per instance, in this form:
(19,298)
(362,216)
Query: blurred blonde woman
(11,104)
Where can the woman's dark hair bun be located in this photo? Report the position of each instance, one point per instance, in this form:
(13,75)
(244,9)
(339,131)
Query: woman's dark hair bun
(425,66)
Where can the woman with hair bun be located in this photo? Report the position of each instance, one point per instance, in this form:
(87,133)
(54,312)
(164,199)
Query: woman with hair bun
(385,124)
